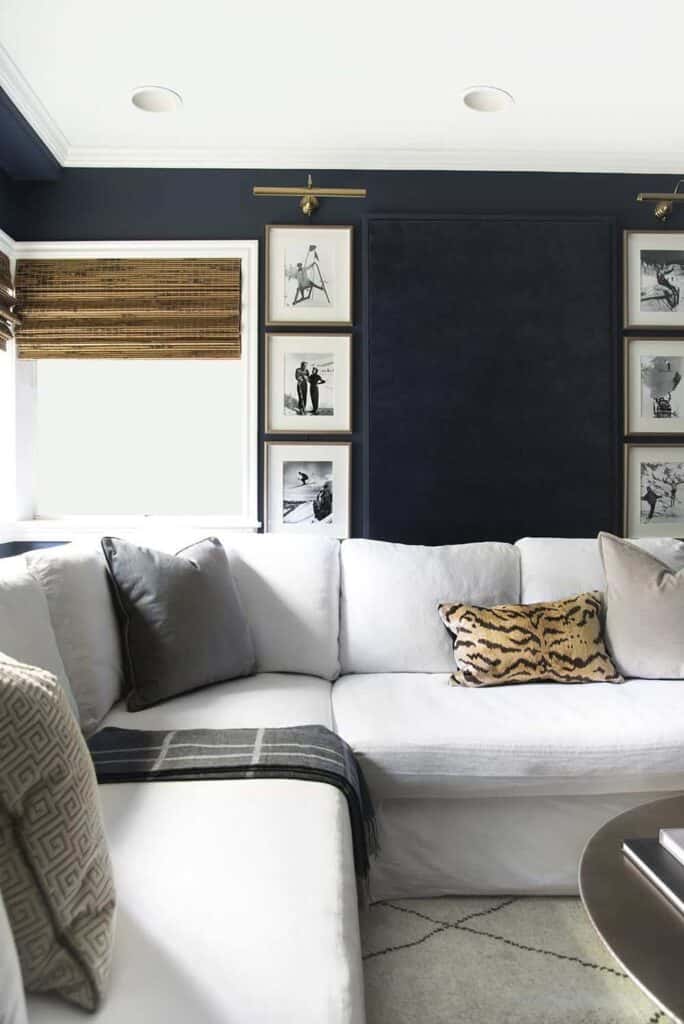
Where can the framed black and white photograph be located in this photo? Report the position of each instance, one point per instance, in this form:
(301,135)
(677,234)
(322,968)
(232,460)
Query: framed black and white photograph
(308,383)
(307,488)
(309,275)
(654,279)
(654,385)
(654,490)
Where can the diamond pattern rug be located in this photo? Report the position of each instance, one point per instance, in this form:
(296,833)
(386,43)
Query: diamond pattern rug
(467,960)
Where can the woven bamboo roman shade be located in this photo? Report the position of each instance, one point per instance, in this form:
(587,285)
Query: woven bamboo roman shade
(128,308)
(8,319)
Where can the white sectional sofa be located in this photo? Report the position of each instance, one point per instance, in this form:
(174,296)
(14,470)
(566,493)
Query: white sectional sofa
(476,791)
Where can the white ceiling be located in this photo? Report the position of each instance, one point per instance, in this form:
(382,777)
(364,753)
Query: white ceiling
(352,84)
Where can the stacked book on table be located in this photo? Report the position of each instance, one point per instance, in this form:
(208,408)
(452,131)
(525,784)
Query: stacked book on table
(662,861)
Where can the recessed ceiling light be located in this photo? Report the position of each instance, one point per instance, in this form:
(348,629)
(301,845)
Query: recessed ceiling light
(156,99)
(487,99)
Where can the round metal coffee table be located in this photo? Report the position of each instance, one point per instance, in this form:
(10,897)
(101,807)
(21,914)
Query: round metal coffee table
(640,927)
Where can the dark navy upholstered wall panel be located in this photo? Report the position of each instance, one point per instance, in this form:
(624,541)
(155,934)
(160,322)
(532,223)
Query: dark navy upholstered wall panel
(492,378)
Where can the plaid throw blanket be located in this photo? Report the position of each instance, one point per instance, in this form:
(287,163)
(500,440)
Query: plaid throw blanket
(309,752)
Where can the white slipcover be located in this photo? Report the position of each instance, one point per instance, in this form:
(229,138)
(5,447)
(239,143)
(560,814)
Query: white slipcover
(74,581)
(510,845)
(236,905)
(270,700)
(290,591)
(390,593)
(289,588)
(417,736)
(26,632)
(12,1002)
(552,568)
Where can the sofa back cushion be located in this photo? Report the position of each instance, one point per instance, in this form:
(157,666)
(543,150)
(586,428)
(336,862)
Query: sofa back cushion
(26,632)
(290,592)
(552,568)
(74,581)
(390,595)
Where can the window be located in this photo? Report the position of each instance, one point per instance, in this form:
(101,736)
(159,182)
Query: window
(107,438)
(138,437)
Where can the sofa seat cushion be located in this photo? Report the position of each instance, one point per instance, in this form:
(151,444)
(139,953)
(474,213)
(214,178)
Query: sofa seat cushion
(390,594)
(269,699)
(417,736)
(237,902)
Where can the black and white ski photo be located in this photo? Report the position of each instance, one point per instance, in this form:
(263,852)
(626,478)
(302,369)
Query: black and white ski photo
(661,279)
(662,492)
(309,271)
(309,385)
(307,493)
(662,393)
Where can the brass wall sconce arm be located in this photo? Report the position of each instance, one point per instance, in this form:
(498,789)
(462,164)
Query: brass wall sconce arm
(309,195)
(664,201)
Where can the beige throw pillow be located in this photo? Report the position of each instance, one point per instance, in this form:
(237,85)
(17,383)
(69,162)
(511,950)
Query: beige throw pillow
(550,642)
(55,872)
(644,611)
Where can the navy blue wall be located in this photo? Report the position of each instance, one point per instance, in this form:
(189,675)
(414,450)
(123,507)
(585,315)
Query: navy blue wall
(23,154)
(157,204)
(132,203)
(9,208)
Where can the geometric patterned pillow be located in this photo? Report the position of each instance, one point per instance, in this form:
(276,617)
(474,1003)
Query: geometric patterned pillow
(55,872)
(552,642)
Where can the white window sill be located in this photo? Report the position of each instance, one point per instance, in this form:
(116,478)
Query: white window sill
(74,527)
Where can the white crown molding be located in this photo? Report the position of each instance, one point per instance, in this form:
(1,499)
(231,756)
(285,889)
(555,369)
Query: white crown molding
(551,159)
(27,103)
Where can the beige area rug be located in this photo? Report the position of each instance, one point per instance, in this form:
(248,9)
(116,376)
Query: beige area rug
(489,960)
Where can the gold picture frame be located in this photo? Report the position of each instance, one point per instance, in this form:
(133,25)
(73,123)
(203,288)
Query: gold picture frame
(309,275)
(667,295)
(665,414)
(334,460)
(281,414)
(667,516)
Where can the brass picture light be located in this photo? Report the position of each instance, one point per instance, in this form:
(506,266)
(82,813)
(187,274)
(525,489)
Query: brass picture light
(664,201)
(309,195)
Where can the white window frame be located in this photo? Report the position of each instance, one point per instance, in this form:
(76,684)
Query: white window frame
(18,403)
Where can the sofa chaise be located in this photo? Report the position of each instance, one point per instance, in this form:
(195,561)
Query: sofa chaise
(237,899)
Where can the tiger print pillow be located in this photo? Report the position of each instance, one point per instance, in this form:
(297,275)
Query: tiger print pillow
(554,642)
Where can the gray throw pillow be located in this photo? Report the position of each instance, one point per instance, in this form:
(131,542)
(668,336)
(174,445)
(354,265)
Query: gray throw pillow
(182,622)
(644,611)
